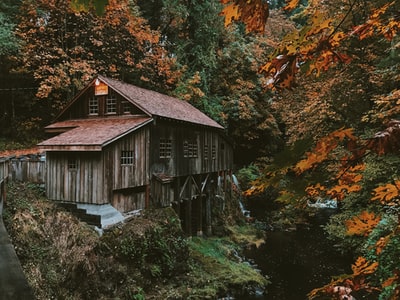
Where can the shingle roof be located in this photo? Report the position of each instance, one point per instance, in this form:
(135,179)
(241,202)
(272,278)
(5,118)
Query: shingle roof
(91,134)
(157,104)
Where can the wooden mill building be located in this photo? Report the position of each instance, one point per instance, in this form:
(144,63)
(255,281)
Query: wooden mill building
(118,144)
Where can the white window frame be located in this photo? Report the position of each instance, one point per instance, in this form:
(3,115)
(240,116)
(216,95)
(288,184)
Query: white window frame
(93,106)
(111,103)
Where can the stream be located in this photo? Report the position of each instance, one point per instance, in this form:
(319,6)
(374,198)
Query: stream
(298,261)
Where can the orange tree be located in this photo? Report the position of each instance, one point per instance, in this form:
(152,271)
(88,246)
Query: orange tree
(63,48)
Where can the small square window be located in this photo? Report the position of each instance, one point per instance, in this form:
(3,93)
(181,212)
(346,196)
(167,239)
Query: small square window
(72,164)
(127,158)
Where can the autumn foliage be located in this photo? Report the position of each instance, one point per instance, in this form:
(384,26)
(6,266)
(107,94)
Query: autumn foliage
(317,46)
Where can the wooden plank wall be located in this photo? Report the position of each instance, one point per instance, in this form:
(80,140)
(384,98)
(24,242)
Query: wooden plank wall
(120,181)
(122,177)
(84,184)
(128,201)
(217,157)
(4,167)
(30,170)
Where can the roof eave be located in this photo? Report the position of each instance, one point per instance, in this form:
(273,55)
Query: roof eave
(70,148)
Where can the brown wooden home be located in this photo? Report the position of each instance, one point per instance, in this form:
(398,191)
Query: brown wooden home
(118,144)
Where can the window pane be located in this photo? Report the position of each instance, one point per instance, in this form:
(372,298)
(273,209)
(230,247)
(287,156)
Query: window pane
(72,164)
(93,106)
(190,148)
(165,148)
(126,107)
(127,157)
(205,152)
(111,103)
(213,152)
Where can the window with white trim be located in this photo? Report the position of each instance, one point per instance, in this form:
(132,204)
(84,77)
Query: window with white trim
(93,106)
(125,107)
(127,158)
(111,103)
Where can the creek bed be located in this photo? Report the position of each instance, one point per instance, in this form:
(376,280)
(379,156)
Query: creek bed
(298,261)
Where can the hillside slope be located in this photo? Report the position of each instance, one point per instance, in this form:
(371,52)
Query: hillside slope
(147,257)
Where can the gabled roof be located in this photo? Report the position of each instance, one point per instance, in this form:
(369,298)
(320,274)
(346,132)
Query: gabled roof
(91,134)
(155,104)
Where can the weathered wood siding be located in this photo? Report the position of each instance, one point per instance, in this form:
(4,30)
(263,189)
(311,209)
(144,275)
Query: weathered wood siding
(126,184)
(128,200)
(127,176)
(4,163)
(79,109)
(30,169)
(162,193)
(214,153)
(83,184)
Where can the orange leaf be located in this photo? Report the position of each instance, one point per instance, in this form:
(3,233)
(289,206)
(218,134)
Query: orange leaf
(291,4)
(386,194)
(322,149)
(381,243)
(362,224)
(253,13)
(390,281)
(363,267)
(281,71)
(314,190)
(231,13)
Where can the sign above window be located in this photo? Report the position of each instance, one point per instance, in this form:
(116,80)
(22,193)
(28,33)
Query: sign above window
(100,88)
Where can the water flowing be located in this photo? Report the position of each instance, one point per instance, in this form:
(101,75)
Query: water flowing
(298,261)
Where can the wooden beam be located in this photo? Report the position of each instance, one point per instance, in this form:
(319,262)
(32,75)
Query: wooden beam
(204,183)
(196,185)
(183,188)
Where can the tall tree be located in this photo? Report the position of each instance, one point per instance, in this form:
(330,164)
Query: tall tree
(220,70)
(63,48)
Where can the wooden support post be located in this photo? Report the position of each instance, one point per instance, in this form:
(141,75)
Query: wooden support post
(211,190)
(200,216)
(188,217)
(189,208)
(177,199)
(230,183)
(147,196)
(200,211)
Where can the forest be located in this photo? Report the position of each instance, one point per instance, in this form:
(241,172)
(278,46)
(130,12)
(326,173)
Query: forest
(309,90)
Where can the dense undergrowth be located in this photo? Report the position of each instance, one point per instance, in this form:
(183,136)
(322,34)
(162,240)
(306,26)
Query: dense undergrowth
(146,257)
